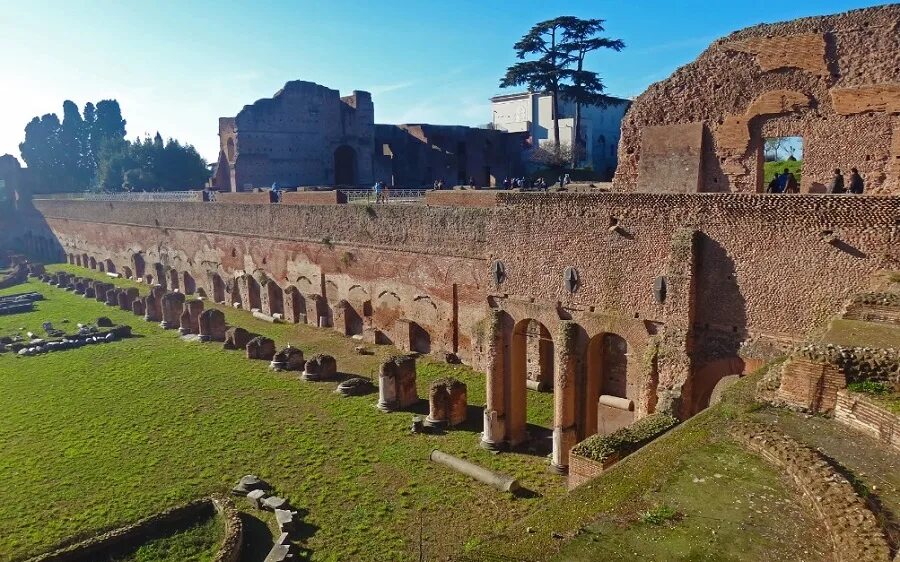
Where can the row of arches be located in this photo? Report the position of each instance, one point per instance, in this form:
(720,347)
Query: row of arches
(596,385)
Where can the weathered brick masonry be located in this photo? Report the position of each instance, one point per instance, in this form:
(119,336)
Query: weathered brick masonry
(834,80)
(735,268)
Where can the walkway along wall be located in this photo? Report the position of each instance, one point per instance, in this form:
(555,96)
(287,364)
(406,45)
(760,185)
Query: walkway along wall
(646,299)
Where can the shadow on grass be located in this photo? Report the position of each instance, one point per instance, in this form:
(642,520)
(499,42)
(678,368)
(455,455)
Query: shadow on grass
(257,539)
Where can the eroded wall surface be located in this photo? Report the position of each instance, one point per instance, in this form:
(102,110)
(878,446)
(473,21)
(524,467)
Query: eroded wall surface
(833,80)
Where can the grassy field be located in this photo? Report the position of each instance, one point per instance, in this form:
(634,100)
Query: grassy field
(100,436)
(772,169)
(198,543)
(691,495)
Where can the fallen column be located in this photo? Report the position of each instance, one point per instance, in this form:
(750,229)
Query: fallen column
(499,481)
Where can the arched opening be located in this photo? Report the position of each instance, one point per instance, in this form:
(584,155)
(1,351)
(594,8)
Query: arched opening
(173,280)
(110,266)
(126,272)
(92,263)
(236,294)
(344,165)
(419,338)
(275,298)
(137,261)
(608,391)
(72,259)
(78,261)
(526,333)
(218,288)
(148,279)
(188,284)
(85,260)
(538,357)
(229,149)
(253,300)
(295,305)
(101,267)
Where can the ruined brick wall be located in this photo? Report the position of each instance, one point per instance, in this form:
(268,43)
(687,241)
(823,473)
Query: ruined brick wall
(294,137)
(862,413)
(418,155)
(764,267)
(834,80)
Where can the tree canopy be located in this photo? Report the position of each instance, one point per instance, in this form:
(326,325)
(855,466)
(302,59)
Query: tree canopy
(560,46)
(88,150)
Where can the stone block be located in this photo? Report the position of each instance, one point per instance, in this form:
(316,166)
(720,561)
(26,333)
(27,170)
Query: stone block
(104,322)
(250,483)
(287,521)
(236,338)
(112,297)
(280,553)
(274,502)
(288,359)
(256,498)
(89,293)
(152,308)
(137,307)
(355,386)
(447,403)
(211,325)
(260,347)
(320,367)
(397,383)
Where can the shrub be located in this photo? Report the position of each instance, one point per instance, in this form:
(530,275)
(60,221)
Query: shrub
(659,515)
(870,387)
(625,440)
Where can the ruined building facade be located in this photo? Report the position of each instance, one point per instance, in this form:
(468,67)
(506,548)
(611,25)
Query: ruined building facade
(832,80)
(418,155)
(306,134)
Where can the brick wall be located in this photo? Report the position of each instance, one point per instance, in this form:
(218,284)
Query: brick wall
(853,528)
(333,197)
(461,198)
(583,469)
(810,385)
(866,415)
(832,80)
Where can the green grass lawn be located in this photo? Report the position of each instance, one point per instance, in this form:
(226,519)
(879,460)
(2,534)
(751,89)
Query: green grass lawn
(721,503)
(98,437)
(198,543)
(772,169)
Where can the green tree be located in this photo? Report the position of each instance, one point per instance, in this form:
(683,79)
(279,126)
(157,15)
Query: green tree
(41,152)
(547,71)
(580,37)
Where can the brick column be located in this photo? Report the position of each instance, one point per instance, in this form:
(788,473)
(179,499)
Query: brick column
(564,431)
(494,410)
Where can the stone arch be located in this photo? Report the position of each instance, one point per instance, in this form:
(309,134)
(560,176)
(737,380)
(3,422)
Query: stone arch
(188,284)
(345,165)
(607,377)
(517,375)
(235,292)
(294,305)
(92,262)
(274,298)
(419,338)
(704,380)
(218,288)
(101,267)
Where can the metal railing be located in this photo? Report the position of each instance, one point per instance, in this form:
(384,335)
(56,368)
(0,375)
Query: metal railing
(367,196)
(176,196)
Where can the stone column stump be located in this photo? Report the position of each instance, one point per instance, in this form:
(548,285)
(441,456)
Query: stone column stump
(137,307)
(211,325)
(172,306)
(260,347)
(288,359)
(112,297)
(447,403)
(152,309)
(190,317)
(397,383)
(236,338)
(319,367)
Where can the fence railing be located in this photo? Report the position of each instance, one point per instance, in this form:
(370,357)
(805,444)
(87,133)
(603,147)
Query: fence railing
(129,196)
(366,196)
(357,196)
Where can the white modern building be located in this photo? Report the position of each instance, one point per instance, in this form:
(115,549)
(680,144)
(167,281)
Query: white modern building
(532,113)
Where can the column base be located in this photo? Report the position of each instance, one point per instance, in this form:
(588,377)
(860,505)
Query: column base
(559,470)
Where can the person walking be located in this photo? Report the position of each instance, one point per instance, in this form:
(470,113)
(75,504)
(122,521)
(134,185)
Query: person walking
(857,185)
(791,186)
(837,183)
(378,188)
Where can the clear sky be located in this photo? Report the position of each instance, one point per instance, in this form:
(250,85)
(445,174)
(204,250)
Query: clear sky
(176,66)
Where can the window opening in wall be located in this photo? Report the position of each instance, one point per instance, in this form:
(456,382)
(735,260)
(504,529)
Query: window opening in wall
(783,164)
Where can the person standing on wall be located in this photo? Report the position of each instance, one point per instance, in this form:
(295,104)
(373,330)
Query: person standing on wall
(857,185)
(379,191)
(837,182)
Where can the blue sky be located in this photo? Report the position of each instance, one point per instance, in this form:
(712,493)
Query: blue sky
(178,66)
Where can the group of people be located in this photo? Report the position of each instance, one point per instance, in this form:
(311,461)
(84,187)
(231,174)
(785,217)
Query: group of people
(837,182)
(786,182)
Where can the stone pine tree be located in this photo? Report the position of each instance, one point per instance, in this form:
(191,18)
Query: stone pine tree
(559,47)
(546,72)
(584,87)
